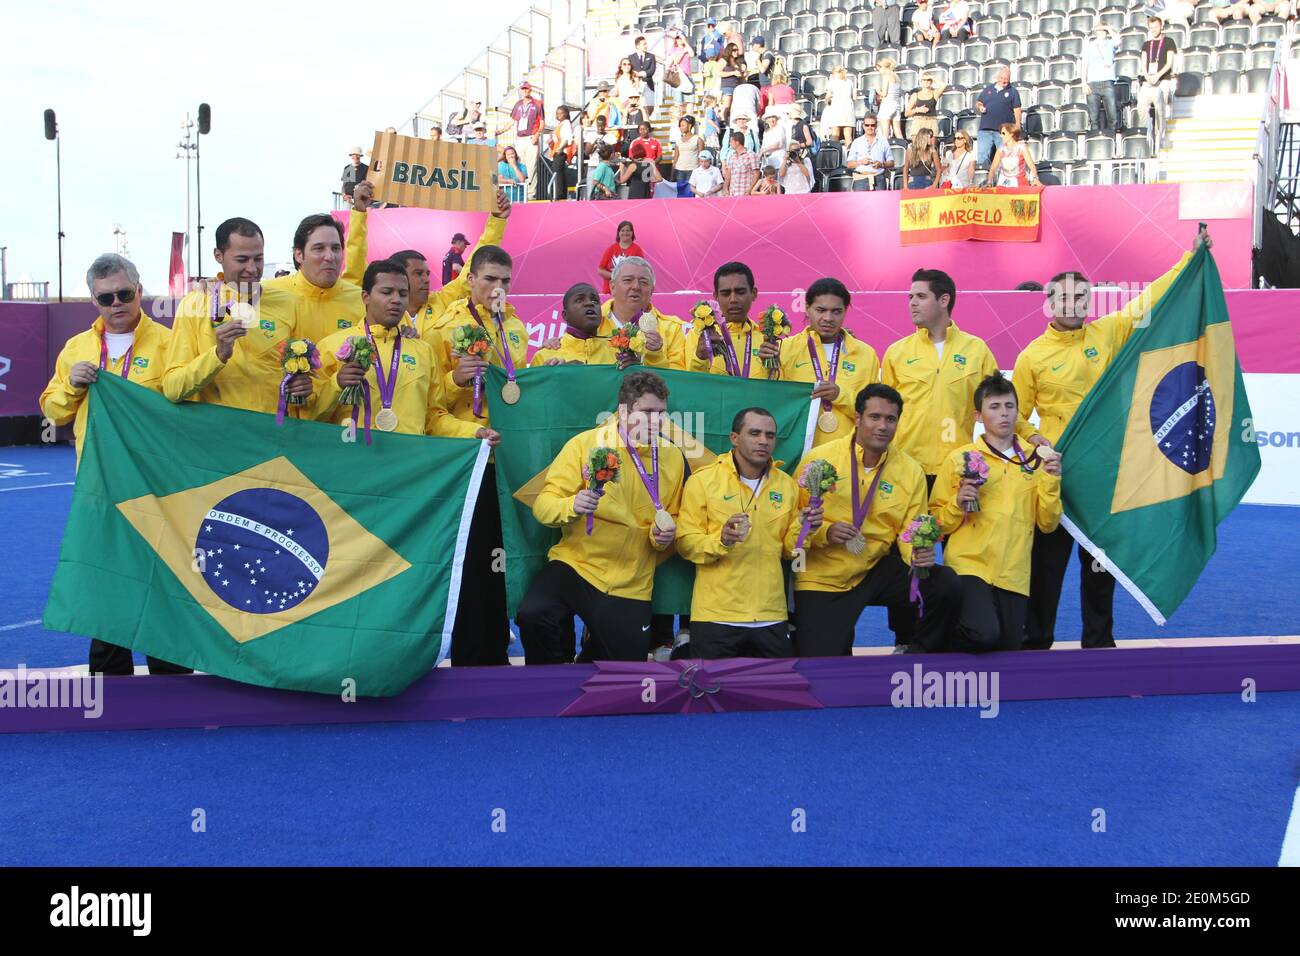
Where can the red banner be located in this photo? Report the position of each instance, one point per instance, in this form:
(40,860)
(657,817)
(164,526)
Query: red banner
(994,215)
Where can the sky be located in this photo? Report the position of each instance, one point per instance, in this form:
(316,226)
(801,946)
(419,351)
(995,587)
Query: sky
(292,86)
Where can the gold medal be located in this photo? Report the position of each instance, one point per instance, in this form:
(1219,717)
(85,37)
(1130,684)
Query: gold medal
(856,544)
(386,420)
(244,314)
(648,322)
(664,521)
(744,527)
(828,422)
(510,393)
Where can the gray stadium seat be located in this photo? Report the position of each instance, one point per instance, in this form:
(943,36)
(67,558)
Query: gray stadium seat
(1053,23)
(965,74)
(1256,81)
(1049,94)
(1083,174)
(1070,44)
(1205,35)
(1099,147)
(1063,69)
(1188,84)
(819,40)
(977,50)
(1030,71)
(1072,119)
(1269,30)
(1136,146)
(1230,57)
(1128,64)
(803,21)
(1224,82)
(1236,33)
(1040,45)
(1061,149)
(1196,60)
(1007,48)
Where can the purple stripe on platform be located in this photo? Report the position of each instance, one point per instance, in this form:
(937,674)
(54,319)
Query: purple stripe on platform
(133,703)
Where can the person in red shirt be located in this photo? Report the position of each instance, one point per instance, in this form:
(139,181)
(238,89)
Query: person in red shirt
(623,246)
(527,119)
(653,148)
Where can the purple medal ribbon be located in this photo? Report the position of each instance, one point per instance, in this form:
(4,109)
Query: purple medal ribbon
(126,359)
(1027,464)
(503,352)
(813,351)
(862,508)
(387,389)
(650,479)
(729,352)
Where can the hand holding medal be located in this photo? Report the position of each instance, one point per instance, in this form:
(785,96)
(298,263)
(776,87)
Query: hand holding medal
(601,468)
(827,421)
(819,479)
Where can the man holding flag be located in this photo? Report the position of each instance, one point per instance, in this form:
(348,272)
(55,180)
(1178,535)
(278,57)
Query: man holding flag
(1156,433)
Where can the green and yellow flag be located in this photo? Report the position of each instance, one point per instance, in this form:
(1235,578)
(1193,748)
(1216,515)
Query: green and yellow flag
(1163,447)
(287,556)
(562,400)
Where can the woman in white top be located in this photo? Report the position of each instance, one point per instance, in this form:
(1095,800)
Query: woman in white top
(840,115)
(890,98)
(686,159)
(625,84)
(1012,166)
(796,173)
(959,162)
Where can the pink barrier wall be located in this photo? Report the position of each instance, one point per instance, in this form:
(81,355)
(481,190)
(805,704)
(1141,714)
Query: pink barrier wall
(1110,233)
(23,367)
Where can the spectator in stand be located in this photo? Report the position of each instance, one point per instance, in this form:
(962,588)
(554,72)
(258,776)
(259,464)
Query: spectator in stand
(751,140)
(679,63)
(607,134)
(1013,166)
(1224,9)
(651,148)
(955,21)
(921,162)
(744,102)
(480,137)
(453,260)
(801,132)
(603,184)
(435,131)
(706,181)
(840,115)
(740,169)
(635,115)
(1176,11)
(355,171)
(731,74)
(528,117)
(959,162)
(1157,87)
(776,139)
(638,173)
(998,103)
(644,65)
(889,98)
(1098,67)
(512,174)
(777,93)
(712,131)
(766,184)
(923,107)
(624,245)
(458,124)
(564,147)
(923,28)
(759,63)
(711,78)
(686,155)
(885,24)
(601,104)
(713,42)
(796,173)
(626,83)
(870,158)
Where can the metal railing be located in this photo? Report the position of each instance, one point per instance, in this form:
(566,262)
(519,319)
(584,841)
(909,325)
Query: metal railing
(1275,159)
(27,292)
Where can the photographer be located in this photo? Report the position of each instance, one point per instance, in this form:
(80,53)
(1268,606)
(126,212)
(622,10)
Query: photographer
(796,172)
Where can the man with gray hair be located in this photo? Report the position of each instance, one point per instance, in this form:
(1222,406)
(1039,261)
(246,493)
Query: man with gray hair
(121,341)
(631,288)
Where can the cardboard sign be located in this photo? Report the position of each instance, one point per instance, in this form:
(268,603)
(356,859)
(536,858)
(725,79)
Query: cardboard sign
(433,175)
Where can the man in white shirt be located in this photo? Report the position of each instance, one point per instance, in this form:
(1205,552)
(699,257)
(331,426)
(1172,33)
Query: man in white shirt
(869,158)
(744,102)
(775,138)
(1099,77)
(706,180)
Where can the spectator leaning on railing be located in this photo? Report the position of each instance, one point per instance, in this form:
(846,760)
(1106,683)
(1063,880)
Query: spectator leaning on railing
(1098,66)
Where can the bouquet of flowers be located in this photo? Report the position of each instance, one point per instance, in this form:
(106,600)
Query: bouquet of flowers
(775,326)
(704,320)
(819,478)
(628,344)
(974,468)
(297,357)
(472,339)
(601,468)
(355,349)
(922,532)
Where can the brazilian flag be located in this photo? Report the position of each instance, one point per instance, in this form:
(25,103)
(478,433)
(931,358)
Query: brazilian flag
(560,401)
(1163,447)
(287,556)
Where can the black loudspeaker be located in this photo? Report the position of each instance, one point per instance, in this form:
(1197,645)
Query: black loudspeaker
(205,118)
(51,127)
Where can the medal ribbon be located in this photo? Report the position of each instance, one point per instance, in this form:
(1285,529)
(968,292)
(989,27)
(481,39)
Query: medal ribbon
(862,508)
(387,389)
(126,359)
(502,349)
(814,351)
(1027,464)
(651,479)
(729,351)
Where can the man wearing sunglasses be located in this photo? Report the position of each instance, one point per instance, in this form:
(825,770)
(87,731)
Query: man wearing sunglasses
(869,158)
(224,341)
(122,341)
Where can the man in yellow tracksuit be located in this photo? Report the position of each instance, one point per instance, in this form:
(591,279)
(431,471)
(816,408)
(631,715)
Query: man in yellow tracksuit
(631,291)
(740,517)
(839,364)
(581,343)
(122,341)
(224,342)
(734,290)
(858,560)
(606,577)
(1052,376)
(989,549)
(481,632)
(936,370)
(415,398)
